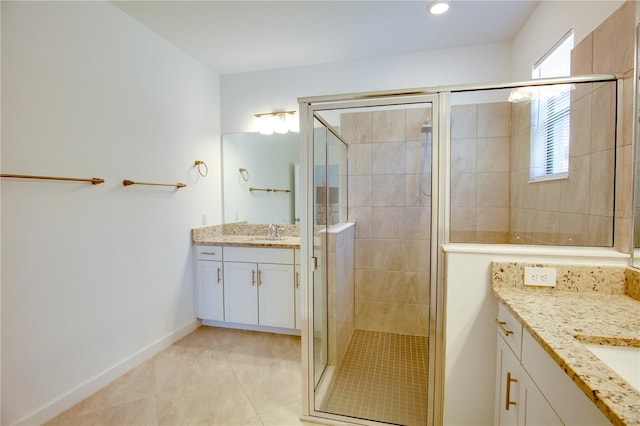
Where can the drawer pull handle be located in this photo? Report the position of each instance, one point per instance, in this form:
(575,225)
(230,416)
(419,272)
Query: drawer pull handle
(253,277)
(219,275)
(259,277)
(297,279)
(508,401)
(502,324)
(208,253)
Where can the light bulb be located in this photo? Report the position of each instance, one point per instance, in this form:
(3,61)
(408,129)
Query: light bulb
(438,7)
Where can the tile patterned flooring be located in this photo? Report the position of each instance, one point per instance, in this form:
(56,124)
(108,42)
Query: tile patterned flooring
(383,377)
(213,376)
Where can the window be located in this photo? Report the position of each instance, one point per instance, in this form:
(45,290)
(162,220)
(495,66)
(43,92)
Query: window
(550,115)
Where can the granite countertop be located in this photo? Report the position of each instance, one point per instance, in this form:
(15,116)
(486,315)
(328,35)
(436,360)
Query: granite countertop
(592,311)
(249,241)
(246,235)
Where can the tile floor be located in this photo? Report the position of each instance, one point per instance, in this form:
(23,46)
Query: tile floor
(383,377)
(213,376)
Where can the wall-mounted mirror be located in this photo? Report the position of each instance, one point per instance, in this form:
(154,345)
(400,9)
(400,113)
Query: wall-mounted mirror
(260,177)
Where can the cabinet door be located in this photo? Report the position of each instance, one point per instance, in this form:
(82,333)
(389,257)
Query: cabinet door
(507,385)
(534,408)
(209,290)
(276,295)
(241,294)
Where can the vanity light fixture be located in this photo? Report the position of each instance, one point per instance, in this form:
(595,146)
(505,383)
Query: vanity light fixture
(277,121)
(438,7)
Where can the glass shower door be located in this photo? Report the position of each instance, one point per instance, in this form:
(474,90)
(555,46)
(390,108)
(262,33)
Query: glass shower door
(319,281)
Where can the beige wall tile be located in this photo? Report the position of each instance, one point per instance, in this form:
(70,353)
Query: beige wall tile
(580,139)
(416,118)
(417,223)
(388,255)
(494,120)
(362,189)
(418,190)
(575,191)
(463,155)
(464,121)
(388,222)
(600,231)
(463,189)
(493,220)
(582,57)
(574,229)
(388,126)
(520,116)
(613,41)
(624,182)
(360,159)
(548,224)
(388,158)
(548,194)
(356,127)
(603,117)
(521,150)
(627,109)
(493,154)
(388,190)
(363,218)
(464,219)
(602,182)
(622,234)
(493,189)
(418,157)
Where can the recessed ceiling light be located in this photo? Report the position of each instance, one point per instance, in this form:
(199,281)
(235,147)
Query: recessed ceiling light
(438,7)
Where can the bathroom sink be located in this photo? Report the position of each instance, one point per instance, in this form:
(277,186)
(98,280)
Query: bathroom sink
(624,360)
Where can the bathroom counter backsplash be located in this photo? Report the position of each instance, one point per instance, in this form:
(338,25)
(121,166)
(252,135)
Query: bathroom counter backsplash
(590,304)
(246,235)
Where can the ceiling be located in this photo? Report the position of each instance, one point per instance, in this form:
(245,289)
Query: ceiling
(244,36)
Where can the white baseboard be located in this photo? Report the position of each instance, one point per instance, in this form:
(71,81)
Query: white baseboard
(89,387)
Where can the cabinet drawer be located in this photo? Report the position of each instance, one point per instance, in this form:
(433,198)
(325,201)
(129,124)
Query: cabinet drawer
(509,328)
(208,252)
(258,255)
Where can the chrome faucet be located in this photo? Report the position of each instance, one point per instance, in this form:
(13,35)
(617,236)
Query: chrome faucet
(274,231)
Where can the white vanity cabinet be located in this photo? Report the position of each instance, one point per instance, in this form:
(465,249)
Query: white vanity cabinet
(531,389)
(259,286)
(209,283)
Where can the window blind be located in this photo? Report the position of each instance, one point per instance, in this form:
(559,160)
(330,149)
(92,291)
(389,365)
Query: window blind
(550,114)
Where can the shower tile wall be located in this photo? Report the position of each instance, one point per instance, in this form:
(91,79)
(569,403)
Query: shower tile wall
(575,211)
(390,199)
(580,210)
(480,172)
(340,290)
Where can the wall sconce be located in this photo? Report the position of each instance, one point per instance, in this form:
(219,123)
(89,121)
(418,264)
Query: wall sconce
(278,121)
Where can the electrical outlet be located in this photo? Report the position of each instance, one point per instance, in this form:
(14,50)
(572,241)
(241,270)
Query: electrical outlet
(204,219)
(540,276)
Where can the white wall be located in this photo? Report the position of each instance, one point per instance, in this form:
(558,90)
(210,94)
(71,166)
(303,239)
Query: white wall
(549,21)
(94,276)
(243,95)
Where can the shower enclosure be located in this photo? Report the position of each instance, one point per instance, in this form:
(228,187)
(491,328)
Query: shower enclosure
(393,177)
(372,251)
